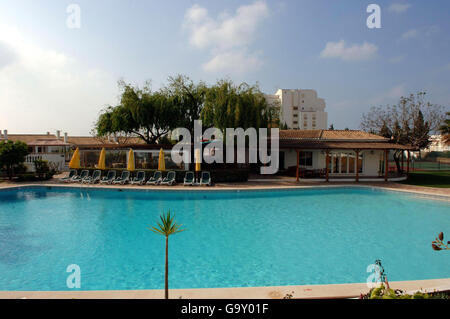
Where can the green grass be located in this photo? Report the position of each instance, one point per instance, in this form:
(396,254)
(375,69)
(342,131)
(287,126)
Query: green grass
(439,179)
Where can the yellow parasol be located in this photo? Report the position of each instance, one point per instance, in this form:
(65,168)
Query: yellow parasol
(102,160)
(130,165)
(75,161)
(161,161)
(197,160)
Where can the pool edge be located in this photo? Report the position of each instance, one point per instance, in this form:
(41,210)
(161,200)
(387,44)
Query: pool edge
(424,193)
(274,292)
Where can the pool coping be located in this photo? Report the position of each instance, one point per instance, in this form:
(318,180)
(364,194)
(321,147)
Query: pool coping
(353,290)
(350,290)
(425,193)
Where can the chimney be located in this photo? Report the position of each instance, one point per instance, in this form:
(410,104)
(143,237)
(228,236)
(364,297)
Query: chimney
(5,135)
(66,139)
(48,133)
(58,134)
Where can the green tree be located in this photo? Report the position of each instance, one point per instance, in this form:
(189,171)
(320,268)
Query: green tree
(12,154)
(331,128)
(41,167)
(189,98)
(408,123)
(167,227)
(141,112)
(228,105)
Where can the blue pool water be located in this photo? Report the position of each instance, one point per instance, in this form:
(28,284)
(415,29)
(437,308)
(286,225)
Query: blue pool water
(232,239)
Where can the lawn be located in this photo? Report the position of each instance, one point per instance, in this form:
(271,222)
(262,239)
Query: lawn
(429,179)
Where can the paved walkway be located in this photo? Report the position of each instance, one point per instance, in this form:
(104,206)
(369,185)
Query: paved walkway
(304,292)
(276,183)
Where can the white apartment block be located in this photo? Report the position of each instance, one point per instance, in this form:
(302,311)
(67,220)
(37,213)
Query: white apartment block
(300,109)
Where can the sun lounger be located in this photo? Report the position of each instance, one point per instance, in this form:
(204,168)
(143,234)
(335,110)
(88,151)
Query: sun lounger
(109,178)
(68,178)
(169,179)
(155,179)
(79,178)
(206,179)
(139,179)
(189,179)
(123,179)
(94,178)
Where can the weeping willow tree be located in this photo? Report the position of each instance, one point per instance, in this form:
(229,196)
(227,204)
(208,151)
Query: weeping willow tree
(141,112)
(151,115)
(229,105)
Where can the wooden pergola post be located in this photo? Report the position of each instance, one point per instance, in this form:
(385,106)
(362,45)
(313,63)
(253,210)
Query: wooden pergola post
(386,166)
(298,164)
(327,163)
(403,161)
(357,168)
(407,163)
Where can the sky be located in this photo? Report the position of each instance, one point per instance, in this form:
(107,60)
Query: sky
(59,66)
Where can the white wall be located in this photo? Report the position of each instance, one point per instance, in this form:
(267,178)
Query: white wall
(370,160)
(55,158)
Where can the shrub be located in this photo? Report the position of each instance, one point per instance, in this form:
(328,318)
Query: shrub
(12,154)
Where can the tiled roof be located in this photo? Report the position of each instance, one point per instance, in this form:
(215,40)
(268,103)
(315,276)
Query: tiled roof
(90,140)
(300,134)
(330,135)
(28,138)
(50,139)
(317,144)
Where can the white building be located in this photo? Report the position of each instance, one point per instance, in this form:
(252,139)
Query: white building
(52,148)
(437,144)
(300,109)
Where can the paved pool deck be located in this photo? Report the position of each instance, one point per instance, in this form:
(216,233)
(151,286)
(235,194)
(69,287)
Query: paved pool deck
(302,292)
(307,291)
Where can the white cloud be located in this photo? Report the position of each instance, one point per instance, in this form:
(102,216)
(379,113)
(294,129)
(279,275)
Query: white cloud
(398,7)
(237,61)
(7,55)
(388,96)
(410,34)
(423,32)
(396,92)
(42,89)
(227,37)
(355,52)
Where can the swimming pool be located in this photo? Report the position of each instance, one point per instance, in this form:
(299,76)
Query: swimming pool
(232,238)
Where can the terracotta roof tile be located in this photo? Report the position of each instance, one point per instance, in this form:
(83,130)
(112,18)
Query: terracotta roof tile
(335,135)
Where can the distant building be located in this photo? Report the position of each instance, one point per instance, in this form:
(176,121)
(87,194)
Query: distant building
(300,109)
(437,144)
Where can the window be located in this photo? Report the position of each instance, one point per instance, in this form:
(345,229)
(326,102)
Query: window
(346,163)
(295,122)
(295,115)
(305,159)
(295,108)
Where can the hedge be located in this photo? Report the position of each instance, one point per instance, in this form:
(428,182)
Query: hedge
(31,177)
